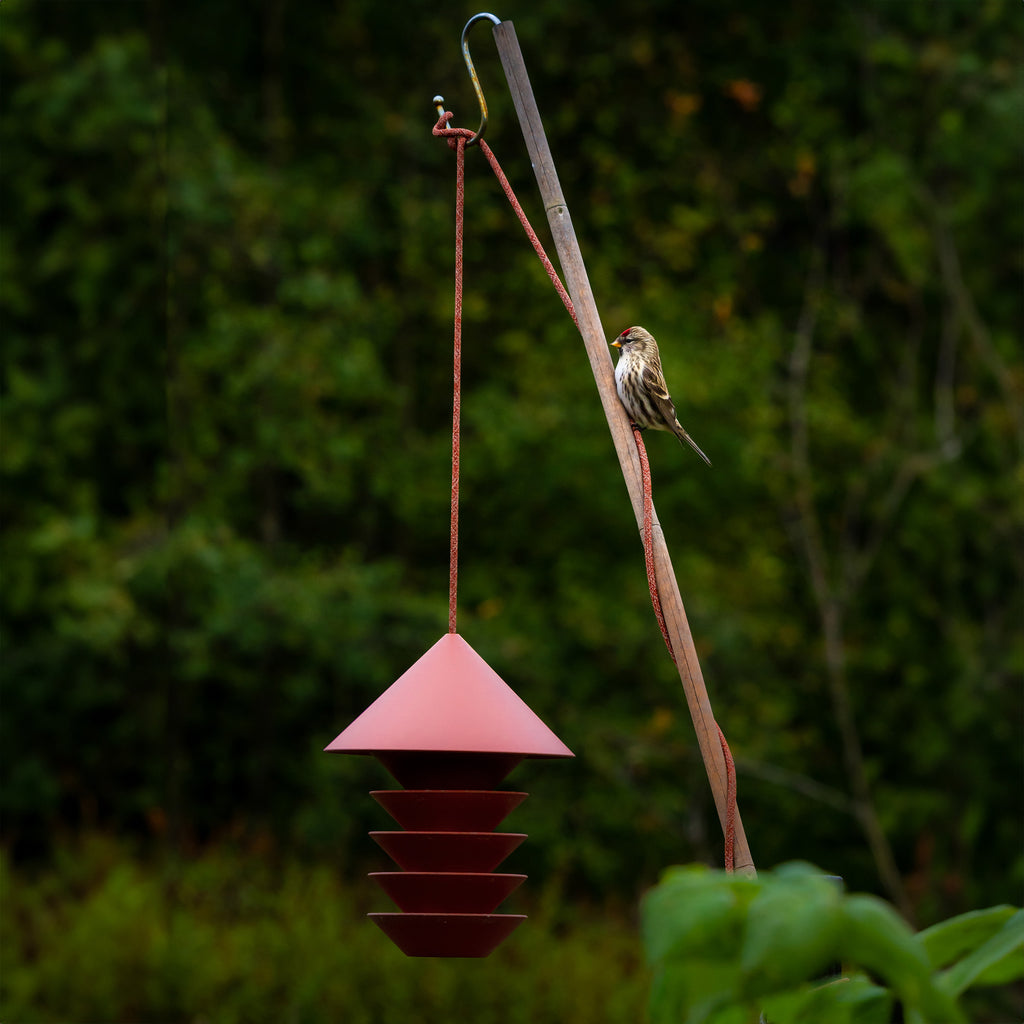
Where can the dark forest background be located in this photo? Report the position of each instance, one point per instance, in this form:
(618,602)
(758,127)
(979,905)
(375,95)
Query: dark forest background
(226,284)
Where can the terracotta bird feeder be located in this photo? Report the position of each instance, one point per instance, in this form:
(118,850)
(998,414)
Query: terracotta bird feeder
(449,730)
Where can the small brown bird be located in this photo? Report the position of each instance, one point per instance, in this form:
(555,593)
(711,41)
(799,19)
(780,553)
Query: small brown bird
(641,385)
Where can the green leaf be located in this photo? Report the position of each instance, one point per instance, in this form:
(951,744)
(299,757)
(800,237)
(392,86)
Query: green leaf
(877,938)
(694,911)
(946,941)
(843,1001)
(793,929)
(996,961)
(694,990)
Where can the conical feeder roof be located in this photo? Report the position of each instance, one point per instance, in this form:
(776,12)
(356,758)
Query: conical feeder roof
(450,701)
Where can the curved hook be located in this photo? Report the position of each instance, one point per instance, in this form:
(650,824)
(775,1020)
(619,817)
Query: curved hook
(473,76)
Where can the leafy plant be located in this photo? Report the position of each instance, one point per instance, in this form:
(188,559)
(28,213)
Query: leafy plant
(727,949)
(235,937)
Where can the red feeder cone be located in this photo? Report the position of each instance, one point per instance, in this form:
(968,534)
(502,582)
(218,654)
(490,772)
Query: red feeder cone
(449,730)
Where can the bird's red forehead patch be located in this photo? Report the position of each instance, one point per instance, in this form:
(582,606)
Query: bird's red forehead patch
(625,332)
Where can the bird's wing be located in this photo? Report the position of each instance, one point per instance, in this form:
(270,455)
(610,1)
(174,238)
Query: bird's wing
(654,383)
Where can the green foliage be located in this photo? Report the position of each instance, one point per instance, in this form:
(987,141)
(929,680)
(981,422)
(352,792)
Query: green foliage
(235,938)
(992,940)
(725,948)
(225,287)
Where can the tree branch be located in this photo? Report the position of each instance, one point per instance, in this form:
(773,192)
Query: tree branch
(797,783)
(977,331)
(832,601)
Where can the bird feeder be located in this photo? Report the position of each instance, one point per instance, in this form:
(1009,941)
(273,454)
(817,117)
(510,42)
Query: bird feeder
(448,730)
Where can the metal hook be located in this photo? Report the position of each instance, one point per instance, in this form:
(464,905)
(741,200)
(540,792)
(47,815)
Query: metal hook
(439,100)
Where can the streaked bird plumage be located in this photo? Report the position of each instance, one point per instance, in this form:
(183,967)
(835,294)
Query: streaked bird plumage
(640,383)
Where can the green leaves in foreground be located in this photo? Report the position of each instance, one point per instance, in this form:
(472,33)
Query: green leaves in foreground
(984,947)
(727,948)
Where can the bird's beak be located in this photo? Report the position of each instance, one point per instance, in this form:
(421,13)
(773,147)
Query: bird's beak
(616,343)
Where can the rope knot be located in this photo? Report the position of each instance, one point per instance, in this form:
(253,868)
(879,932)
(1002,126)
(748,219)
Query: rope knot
(452,135)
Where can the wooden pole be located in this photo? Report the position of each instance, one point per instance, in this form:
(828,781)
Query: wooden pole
(594,338)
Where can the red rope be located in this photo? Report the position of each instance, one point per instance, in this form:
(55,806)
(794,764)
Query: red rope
(454,136)
(457,140)
(730,800)
(652,579)
(460,205)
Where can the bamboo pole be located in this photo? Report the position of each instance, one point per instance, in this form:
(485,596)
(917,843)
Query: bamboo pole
(594,338)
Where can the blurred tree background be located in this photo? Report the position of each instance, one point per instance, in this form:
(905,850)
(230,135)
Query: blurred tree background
(226,280)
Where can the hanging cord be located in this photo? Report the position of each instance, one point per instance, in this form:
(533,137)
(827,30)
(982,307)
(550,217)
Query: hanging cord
(457,138)
(454,137)
(460,206)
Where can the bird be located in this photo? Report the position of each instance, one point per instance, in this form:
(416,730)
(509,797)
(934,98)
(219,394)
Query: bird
(640,382)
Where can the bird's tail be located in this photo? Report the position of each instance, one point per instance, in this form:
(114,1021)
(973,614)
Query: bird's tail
(684,436)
